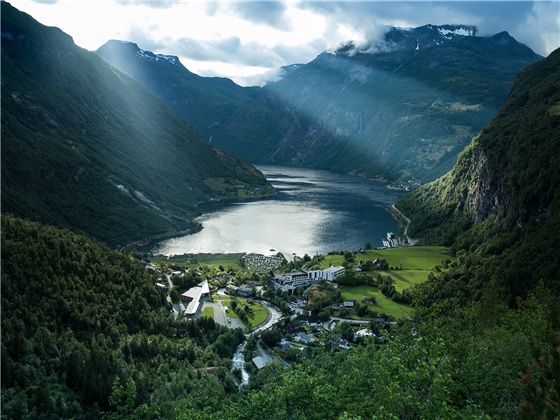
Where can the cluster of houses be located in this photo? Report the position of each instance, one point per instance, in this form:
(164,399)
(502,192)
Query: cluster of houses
(243,291)
(291,281)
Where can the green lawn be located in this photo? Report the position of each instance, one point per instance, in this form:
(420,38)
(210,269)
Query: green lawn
(407,258)
(407,278)
(359,292)
(215,260)
(384,305)
(413,263)
(258,316)
(208,312)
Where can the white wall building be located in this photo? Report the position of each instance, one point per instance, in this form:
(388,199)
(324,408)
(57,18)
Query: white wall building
(291,281)
(329,274)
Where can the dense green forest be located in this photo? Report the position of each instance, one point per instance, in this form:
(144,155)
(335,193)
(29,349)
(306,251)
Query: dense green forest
(86,334)
(80,320)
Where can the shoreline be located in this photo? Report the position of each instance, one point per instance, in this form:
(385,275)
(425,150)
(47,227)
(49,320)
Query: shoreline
(136,245)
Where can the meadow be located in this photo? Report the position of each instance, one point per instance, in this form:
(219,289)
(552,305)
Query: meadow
(408,267)
(383,304)
(213,260)
(406,258)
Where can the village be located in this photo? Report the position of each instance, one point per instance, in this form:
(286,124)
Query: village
(301,326)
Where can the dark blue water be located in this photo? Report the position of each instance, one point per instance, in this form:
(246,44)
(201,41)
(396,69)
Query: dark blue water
(314,212)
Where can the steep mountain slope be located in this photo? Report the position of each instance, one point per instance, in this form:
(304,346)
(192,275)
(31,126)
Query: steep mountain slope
(204,102)
(86,147)
(405,106)
(501,201)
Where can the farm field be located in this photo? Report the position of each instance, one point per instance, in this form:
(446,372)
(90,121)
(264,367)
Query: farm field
(406,258)
(407,278)
(409,266)
(382,305)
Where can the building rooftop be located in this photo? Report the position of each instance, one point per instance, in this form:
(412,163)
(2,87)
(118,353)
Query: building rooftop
(195,293)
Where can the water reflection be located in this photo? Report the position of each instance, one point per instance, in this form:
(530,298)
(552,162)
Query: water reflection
(313,212)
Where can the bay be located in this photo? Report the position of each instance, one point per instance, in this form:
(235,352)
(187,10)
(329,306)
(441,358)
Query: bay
(314,212)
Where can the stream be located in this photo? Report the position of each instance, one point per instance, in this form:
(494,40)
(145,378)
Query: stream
(238,357)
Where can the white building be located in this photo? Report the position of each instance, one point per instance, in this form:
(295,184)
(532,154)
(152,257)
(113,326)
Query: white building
(329,274)
(291,281)
(194,297)
(392,241)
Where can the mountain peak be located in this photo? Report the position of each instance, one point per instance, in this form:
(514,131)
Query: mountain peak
(399,38)
(451,31)
(126,47)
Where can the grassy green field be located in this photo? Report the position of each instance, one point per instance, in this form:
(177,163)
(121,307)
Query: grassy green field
(258,316)
(410,266)
(407,278)
(215,260)
(208,312)
(383,304)
(407,258)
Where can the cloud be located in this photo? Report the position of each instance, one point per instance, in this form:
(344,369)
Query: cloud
(229,50)
(268,13)
(545,24)
(535,24)
(157,4)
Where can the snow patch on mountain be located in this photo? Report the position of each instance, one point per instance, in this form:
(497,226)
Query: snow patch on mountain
(395,38)
(157,57)
(460,31)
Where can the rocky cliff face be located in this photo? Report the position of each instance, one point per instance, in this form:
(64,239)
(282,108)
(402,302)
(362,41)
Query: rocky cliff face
(481,196)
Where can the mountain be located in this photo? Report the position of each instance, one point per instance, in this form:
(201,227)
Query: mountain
(500,204)
(286,70)
(85,147)
(401,107)
(204,102)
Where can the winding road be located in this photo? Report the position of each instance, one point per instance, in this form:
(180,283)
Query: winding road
(407,222)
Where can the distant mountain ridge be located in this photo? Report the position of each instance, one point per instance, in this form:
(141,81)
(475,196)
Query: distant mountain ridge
(203,102)
(403,106)
(427,36)
(85,147)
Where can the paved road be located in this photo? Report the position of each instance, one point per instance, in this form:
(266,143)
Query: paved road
(407,222)
(219,312)
(178,308)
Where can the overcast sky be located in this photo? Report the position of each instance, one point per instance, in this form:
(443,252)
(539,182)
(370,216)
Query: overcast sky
(249,41)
